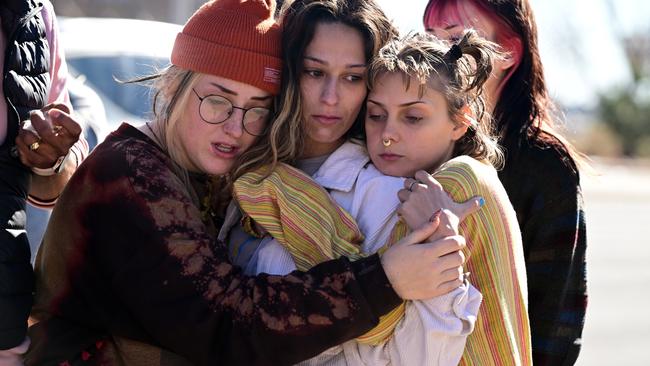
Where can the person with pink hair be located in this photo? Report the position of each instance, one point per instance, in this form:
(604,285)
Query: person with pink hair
(540,175)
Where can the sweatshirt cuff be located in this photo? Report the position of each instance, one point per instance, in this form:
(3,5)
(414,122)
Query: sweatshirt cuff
(375,285)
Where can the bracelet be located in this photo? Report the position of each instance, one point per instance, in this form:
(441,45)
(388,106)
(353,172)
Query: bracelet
(57,168)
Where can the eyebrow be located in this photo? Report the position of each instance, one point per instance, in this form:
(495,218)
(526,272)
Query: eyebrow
(232,92)
(450,26)
(323,62)
(408,104)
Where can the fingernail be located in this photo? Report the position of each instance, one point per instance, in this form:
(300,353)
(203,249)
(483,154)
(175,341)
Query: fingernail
(481,202)
(54,113)
(435,216)
(37,112)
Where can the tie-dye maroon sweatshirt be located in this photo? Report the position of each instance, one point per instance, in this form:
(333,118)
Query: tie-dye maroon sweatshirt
(128,274)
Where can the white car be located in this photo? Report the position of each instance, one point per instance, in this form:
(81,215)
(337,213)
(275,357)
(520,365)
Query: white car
(101,51)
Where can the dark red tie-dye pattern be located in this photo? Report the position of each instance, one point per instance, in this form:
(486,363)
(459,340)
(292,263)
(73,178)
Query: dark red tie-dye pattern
(126,256)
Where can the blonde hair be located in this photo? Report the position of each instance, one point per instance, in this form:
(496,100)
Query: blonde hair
(173,88)
(448,69)
(299,19)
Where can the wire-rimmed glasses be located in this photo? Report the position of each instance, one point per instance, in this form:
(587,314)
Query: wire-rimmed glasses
(216,109)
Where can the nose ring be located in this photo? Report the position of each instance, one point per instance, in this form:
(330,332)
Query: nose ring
(387,142)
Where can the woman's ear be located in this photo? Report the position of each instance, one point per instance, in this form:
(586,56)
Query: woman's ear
(459,131)
(512,49)
(507,61)
(462,121)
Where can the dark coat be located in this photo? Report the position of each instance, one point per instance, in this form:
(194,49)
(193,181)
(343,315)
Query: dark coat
(26,83)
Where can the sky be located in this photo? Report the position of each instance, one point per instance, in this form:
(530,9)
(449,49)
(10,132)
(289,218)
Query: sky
(579,42)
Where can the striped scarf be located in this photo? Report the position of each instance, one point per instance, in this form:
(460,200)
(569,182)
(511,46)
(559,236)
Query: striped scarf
(495,260)
(301,215)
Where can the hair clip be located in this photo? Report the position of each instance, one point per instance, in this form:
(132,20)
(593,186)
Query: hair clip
(454,53)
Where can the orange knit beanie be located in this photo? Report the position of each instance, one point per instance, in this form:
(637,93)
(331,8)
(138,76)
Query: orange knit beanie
(234,39)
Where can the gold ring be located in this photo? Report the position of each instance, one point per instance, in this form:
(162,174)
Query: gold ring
(34,146)
(387,142)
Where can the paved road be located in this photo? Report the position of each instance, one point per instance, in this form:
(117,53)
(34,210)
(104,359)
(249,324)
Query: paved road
(617,330)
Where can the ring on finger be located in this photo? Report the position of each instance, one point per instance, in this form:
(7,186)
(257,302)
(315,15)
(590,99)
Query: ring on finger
(411,185)
(435,215)
(34,146)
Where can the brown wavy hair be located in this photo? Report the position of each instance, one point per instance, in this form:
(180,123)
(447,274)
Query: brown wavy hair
(299,19)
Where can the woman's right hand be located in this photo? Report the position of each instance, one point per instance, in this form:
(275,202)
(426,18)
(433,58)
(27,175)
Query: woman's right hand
(418,270)
(424,195)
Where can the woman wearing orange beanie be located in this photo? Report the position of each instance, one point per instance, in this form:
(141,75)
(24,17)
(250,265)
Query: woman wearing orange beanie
(130,272)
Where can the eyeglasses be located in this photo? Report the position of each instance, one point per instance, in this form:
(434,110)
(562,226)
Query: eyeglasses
(215,109)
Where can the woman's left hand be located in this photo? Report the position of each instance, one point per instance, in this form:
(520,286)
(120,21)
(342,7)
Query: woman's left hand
(48,135)
(423,196)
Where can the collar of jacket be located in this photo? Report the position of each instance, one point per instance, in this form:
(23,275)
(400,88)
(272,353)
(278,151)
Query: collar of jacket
(342,167)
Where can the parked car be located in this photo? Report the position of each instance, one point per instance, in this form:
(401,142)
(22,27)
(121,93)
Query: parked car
(105,50)
(100,51)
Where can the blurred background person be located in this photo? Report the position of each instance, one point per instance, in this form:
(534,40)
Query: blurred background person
(36,151)
(540,174)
